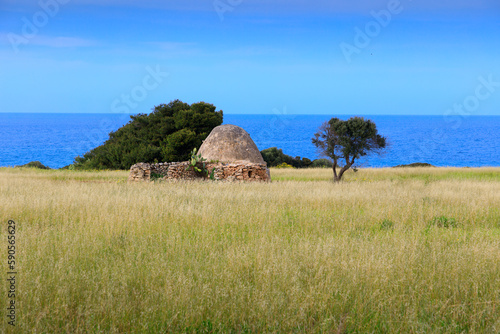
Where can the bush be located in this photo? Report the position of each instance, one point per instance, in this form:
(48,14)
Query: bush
(323,163)
(274,156)
(156,177)
(197,164)
(415,164)
(284,165)
(168,134)
(35,164)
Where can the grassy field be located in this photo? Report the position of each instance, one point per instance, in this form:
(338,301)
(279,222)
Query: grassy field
(386,251)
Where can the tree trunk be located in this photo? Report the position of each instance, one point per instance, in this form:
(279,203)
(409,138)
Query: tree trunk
(335,176)
(342,171)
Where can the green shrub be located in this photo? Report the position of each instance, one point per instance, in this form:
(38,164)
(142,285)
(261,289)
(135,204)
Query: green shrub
(415,164)
(284,165)
(323,163)
(35,164)
(444,222)
(197,163)
(274,156)
(168,134)
(386,224)
(156,177)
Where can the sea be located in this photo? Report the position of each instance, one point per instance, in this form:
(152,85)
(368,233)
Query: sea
(460,141)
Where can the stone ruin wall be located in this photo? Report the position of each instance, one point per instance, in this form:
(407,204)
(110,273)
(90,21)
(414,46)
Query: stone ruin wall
(182,171)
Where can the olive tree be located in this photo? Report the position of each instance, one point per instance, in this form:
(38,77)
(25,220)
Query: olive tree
(346,141)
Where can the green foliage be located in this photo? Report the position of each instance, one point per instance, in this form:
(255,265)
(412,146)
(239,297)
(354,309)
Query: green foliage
(156,176)
(444,222)
(212,174)
(347,141)
(284,165)
(274,157)
(169,133)
(178,143)
(323,163)
(386,225)
(305,162)
(415,164)
(35,164)
(197,163)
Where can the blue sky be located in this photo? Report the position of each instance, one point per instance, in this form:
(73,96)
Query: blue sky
(251,56)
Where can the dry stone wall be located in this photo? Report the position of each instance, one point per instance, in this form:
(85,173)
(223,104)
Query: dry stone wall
(140,172)
(182,171)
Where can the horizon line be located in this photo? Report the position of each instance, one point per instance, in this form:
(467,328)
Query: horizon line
(238,114)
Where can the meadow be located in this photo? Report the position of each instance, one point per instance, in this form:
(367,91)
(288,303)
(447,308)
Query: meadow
(388,250)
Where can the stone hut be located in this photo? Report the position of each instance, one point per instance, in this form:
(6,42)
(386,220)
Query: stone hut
(231,144)
(230,155)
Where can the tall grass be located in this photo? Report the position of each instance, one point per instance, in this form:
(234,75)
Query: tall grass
(300,254)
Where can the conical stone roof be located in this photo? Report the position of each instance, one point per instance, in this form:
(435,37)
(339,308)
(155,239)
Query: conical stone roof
(230,143)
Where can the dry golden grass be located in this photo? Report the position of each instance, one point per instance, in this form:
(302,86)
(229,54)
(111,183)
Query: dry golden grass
(300,254)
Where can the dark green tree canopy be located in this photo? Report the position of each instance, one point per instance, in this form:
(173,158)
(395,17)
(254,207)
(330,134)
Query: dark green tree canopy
(346,141)
(274,156)
(169,133)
